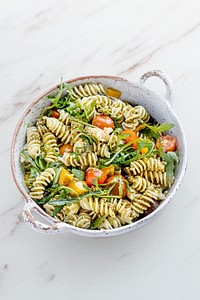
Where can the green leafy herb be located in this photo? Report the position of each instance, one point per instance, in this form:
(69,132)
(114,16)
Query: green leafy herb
(155,130)
(32,162)
(97,222)
(57,209)
(171,158)
(59,101)
(80,175)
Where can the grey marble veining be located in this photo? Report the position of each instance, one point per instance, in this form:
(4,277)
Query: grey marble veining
(40,43)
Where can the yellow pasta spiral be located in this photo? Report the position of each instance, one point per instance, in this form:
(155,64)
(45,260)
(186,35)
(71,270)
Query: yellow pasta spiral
(86,90)
(110,223)
(141,202)
(149,164)
(101,149)
(157,177)
(131,117)
(33,142)
(51,147)
(83,221)
(63,117)
(142,112)
(102,206)
(42,129)
(39,185)
(140,184)
(83,160)
(117,110)
(59,129)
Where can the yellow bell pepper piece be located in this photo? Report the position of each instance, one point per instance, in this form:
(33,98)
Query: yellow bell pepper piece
(144,150)
(113,93)
(78,187)
(109,170)
(65,177)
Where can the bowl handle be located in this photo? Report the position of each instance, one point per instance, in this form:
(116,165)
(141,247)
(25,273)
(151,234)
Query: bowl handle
(168,83)
(30,220)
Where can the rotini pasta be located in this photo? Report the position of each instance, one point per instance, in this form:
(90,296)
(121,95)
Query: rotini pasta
(33,141)
(149,164)
(95,161)
(81,160)
(87,90)
(50,147)
(46,177)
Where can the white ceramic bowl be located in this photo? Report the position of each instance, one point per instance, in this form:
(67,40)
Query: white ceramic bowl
(133,92)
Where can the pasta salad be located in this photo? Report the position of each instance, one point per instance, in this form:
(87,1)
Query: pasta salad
(95,161)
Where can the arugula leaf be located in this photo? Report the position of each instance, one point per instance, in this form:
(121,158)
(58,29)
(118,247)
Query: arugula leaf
(174,156)
(97,222)
(155,130)
(170,170)
(164,127)
(29,159)
(170,158)
(80,175)
(57,209)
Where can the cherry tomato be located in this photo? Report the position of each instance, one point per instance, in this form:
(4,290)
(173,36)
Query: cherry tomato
(102,122)
(55,114)
(116,189)
(168,143)
(66,149)
(132,137)
(93,173)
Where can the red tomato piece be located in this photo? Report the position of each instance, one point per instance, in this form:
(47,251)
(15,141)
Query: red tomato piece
(116,189)
(102,122)
(168,143)
(93,173)
(132,137)
(55,114)
(66,149)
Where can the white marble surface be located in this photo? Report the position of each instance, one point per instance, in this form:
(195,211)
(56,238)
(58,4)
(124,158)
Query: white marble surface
(44,40)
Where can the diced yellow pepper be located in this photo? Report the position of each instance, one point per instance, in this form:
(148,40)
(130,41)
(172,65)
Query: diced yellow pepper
(109,170)
(65,177)
(78,187)
(144,150)
(113,93)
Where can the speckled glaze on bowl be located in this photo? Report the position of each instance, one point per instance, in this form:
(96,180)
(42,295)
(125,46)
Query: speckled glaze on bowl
(133,92)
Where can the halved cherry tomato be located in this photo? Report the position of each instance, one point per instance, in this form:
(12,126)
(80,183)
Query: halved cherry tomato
(66,149)
(168,143)
(93,173)
(55,114)
(102,122)
(113,93)
(116,189)
(132,137)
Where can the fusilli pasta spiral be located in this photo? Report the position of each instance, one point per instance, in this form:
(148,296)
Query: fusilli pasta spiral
(86,90)
(51,147)
(33,141)
(82,160)
(39,185)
